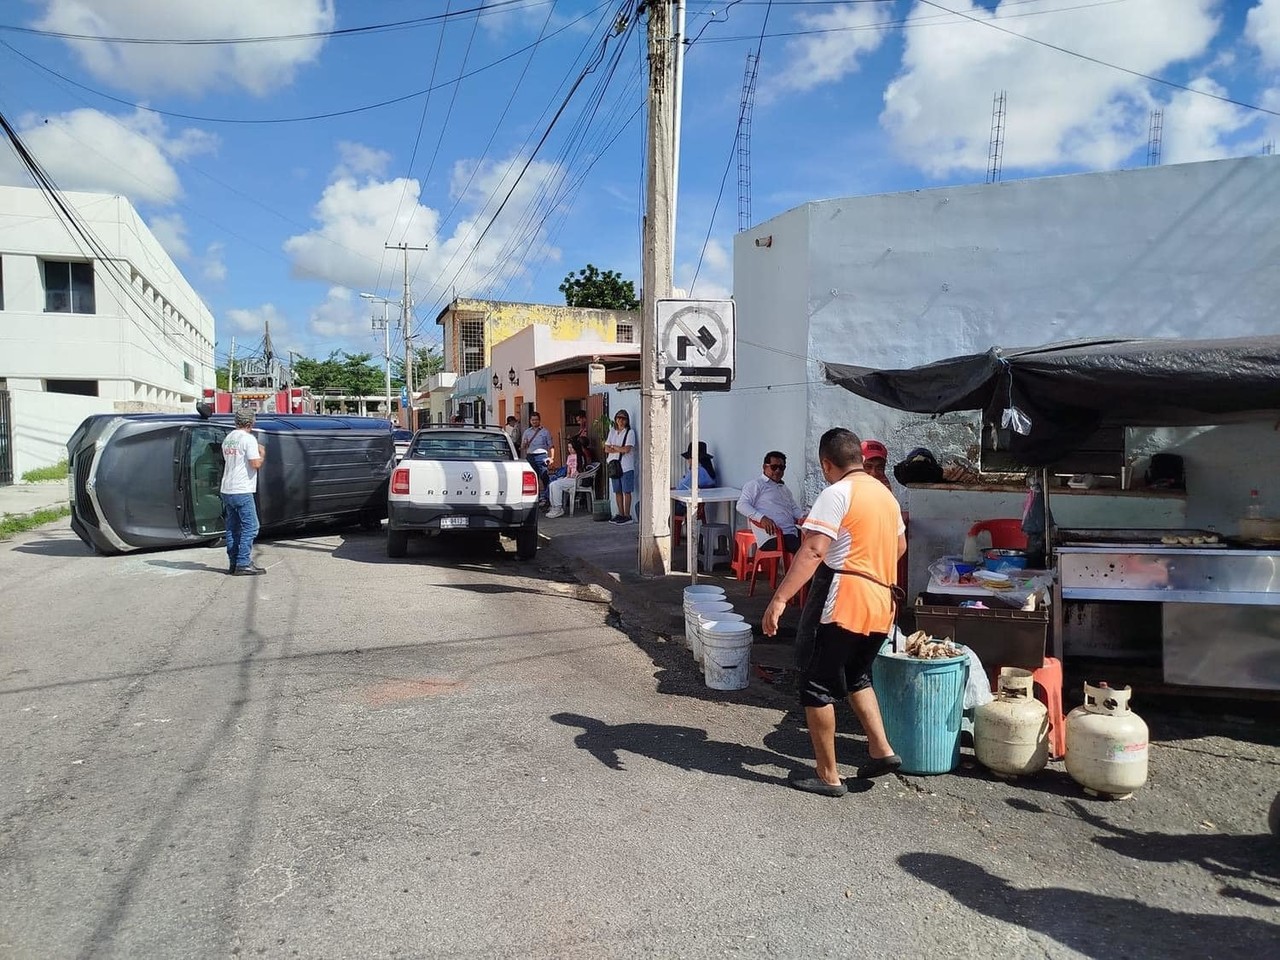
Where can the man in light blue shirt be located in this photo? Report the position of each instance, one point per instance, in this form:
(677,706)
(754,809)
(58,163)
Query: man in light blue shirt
(769,506)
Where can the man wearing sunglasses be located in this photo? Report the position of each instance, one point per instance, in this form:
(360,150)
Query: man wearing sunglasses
(769,506)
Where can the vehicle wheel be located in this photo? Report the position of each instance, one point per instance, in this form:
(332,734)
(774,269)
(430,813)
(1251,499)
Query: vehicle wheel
(527,543)
(397,543)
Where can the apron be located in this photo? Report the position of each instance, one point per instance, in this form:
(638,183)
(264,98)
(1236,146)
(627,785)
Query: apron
(811,616)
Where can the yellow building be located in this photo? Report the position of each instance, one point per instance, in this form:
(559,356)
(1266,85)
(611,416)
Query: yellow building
(472,327)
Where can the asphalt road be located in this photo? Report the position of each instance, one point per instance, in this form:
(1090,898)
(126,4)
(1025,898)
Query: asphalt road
(458,754)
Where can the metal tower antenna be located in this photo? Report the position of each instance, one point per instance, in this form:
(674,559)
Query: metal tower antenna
(1268,148)
(744,140)
(995,153)
(1155,133)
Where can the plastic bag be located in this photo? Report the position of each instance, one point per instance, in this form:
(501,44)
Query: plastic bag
(977,690)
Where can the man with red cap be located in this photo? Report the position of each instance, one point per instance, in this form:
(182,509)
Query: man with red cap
(875,456)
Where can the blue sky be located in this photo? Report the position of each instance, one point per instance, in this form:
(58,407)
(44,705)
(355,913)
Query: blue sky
(286,221)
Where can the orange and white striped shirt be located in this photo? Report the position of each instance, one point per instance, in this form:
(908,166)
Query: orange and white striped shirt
(862,517)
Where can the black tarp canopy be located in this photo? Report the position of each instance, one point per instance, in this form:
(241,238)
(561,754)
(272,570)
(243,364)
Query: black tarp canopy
(1070,390)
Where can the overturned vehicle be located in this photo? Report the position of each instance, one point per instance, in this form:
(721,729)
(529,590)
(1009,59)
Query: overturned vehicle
(147,481)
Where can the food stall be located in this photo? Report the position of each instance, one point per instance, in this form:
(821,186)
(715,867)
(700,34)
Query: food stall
(1211,598)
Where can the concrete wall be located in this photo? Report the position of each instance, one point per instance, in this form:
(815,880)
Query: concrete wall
(46,422)
(766,408)
(902,279)
(503,319)
(160,354)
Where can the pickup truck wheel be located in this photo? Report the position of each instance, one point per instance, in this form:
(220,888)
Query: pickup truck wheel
(397,543)
(527,544)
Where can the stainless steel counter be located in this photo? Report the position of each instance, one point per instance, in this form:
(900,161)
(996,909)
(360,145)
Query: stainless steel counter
(1169,574)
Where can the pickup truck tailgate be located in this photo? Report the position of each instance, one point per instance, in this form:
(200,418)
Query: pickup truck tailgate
(487,483)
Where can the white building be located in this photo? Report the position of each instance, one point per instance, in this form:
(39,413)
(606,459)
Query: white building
(903,279)
(80,335)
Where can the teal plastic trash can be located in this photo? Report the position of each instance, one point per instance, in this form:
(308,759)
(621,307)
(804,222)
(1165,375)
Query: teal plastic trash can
(921,702)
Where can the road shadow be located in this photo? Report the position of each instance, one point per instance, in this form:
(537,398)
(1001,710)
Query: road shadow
(189,566)
(1251,858)
(55,547)
(686,748)
(1093,924)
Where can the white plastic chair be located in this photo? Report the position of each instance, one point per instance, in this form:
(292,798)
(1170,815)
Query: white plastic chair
(585,487)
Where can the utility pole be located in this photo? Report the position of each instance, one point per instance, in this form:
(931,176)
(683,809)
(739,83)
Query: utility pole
(406,325)
(655,460)
(385,326)
(231,373)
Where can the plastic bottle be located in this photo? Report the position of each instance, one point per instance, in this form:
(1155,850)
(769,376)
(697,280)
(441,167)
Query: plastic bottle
(1254,510)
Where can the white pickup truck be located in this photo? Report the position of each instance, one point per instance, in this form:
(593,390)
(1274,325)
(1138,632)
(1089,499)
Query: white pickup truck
(466,480)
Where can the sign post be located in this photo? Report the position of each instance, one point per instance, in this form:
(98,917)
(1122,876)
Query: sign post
(696,352)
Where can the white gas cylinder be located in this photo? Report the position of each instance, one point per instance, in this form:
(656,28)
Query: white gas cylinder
(1107,743)
(1011,733)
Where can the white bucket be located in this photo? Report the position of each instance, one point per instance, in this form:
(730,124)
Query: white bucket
(701,593)
(691,616)
(726,616)
(726,655)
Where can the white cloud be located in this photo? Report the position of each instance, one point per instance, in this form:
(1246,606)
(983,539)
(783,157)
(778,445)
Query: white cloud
(215,265)
(86,149)
(715,277)
(156,68)
(356,160)
(1061,109)
(1262,29)
(253,320)
(1194,126)
(171,231)
(827,57)
(340,316)
(357,216)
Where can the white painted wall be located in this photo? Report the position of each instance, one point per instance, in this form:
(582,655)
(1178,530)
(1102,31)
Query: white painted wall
(137,355)
(48,420)
(902,279)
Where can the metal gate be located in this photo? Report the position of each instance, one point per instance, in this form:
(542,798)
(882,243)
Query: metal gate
(6,439)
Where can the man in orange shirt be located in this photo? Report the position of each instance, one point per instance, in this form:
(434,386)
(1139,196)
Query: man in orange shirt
(854,537)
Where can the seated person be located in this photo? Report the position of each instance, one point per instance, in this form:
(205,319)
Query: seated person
(769,506)
(875,455)
(566,479)
(706,475)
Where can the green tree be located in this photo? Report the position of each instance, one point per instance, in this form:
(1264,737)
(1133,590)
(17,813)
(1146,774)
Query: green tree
(351,373)
(607,290)
(221,378)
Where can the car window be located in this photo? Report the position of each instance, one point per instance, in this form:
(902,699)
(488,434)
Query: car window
(460,446)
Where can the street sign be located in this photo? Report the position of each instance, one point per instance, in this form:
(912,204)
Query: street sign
(404,396)
(697,335)
(698,379)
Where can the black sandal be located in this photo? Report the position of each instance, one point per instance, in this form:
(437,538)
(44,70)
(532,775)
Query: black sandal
(879,766)
(819,786)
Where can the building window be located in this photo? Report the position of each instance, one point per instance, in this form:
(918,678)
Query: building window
(188,373)
(626,333)
(472,342)
(79,388)
(68,287)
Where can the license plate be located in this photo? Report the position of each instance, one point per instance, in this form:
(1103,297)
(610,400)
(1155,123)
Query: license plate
(450,523)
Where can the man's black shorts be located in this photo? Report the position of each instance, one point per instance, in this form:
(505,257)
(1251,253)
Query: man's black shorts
(838,664)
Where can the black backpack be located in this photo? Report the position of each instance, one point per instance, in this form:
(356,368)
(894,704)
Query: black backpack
(919,466)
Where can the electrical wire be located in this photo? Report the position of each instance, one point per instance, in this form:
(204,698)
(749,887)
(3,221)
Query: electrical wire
(482,10)
(1102,63)
(349,111)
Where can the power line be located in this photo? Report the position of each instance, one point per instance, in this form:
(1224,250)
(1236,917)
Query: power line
(1102,63)
(482,10)
(364,108)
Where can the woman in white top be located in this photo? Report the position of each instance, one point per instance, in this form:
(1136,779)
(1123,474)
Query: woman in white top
(620,447)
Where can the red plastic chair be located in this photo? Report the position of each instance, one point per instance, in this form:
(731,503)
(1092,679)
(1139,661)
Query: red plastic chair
(744,545)
(677,523)
(769,560)
(1048,680)
(1005,534)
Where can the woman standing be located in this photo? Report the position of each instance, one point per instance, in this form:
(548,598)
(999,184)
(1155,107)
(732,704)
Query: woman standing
(620,450)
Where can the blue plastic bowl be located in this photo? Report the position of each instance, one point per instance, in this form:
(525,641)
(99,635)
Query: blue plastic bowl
(1001,564)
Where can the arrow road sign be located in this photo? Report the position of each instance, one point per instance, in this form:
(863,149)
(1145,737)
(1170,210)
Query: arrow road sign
(694,379)
(695,333)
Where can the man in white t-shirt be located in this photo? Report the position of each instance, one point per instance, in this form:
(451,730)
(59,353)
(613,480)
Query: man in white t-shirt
(242,455)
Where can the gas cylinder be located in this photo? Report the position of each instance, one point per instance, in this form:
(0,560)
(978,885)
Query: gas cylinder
(1011,733)
(1107,743)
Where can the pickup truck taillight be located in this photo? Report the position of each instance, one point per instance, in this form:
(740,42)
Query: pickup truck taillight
(400,480)
(530,485)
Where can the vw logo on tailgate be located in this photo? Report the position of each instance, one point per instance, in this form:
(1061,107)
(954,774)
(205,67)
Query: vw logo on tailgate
(467,477)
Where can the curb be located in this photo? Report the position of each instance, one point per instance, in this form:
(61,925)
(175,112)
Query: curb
(639,613)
